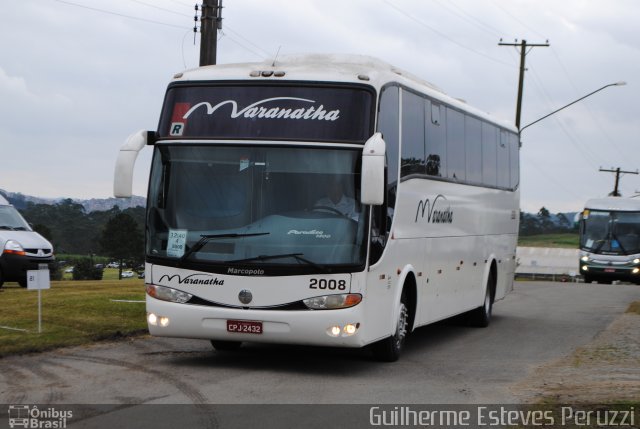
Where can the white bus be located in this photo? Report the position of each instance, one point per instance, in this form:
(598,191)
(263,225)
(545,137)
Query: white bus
(610,240)
(322,200)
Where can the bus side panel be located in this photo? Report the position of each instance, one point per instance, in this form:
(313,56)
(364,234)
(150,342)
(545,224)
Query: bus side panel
(459,230)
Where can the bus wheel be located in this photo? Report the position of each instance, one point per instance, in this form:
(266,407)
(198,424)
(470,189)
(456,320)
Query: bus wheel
(389,349)
(226,345)
(481,316)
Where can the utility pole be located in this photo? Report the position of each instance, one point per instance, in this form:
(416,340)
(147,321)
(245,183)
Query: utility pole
(210,23)
(523,53)
(618,172)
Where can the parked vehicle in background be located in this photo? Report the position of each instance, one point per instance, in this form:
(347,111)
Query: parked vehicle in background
(23,249)
(610,240)
(127,274)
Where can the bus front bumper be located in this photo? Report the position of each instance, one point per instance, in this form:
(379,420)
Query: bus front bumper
(332,328)
(624,272)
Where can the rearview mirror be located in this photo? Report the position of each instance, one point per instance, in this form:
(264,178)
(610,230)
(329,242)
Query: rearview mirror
(372,178)
(123,176)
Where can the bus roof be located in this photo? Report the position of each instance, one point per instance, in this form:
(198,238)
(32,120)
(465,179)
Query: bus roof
(613,204)
(340,68)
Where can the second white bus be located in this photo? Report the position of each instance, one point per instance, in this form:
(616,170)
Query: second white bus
(322,200)
(610,240)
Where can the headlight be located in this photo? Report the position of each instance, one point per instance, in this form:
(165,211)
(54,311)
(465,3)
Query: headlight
(636,261)
(332,302)
(168,294)
(14,248)
(585,258)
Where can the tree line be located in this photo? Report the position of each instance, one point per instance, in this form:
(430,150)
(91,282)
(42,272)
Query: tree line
(544,222)
(119,233)
(115,233)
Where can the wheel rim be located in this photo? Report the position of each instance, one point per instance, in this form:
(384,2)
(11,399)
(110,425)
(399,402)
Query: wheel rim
(401,329)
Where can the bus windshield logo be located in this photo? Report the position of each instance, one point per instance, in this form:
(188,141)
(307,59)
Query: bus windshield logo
(257,110)
(428,207)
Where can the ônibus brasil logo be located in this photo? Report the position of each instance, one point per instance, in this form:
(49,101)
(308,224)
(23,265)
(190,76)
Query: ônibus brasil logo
(31,417)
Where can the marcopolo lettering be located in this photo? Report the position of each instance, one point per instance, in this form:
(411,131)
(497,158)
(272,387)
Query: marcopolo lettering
(258,110)
(194,279)
(441,214)
(245,271)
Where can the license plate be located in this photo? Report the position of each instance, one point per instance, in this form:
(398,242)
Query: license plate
(244,326)
(609,270)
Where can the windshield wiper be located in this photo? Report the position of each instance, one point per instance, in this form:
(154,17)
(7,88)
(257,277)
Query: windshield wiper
(615,237)
(296,256)
(204,239)
(10,228)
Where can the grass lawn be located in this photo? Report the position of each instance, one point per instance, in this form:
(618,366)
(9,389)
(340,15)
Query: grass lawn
(566,240)
(73,312)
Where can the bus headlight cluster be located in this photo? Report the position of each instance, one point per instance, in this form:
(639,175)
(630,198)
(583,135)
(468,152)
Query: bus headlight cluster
(332,302)
(164,293)
(156,320)
(343,331)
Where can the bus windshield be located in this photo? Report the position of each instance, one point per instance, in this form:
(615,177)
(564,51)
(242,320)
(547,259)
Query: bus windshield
(277,207)
(611,232)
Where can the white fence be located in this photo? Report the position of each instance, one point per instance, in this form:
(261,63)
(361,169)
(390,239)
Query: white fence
(546,261)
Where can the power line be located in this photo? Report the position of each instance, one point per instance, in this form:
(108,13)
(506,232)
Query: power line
(231,38)
(160,8)
(518,20)
(119,14)
(595,118)
(592,159)
(238,34)
(462,14)
(444,36)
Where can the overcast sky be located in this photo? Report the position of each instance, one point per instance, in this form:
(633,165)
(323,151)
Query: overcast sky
(77,77)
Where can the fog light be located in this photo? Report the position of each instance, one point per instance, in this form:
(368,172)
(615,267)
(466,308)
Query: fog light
(585,268)
(334,331)
(152,319)
(636,270)
(350,329)
(164,322)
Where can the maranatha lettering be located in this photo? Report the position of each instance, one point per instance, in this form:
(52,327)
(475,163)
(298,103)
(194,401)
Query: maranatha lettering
(434,215)
(257,110)
(195,279)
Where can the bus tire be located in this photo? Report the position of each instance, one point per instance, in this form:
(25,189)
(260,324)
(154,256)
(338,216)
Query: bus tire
(481,316)
(389,349)
(226,345)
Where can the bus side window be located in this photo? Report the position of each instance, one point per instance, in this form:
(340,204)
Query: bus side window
(435,139)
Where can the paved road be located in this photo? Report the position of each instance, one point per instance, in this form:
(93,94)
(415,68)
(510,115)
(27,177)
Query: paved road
(443,363)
